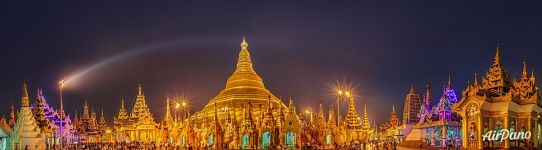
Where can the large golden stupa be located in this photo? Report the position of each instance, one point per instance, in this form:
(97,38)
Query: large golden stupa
(242,86)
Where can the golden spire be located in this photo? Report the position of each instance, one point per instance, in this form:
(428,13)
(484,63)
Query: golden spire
(365,123)
(497,53)
(217,123)
(291,105)
(393,108)
(412,90)
(122,103)
(331,120)
(449,81)
(532,76)
(76,118)
(25,99)
(524,73)
(244,74)
(427,97)
(85,110)
(140,91)
(12,113)
(168,118)
(321,109)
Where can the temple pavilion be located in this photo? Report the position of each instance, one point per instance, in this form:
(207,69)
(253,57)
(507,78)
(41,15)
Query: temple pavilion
(139,125)
(500,103)
(438,126)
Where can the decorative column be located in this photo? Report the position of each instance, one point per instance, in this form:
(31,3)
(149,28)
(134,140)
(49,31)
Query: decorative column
(530,129)
(432,136)
(506,126)
(534,134)
(479,131)
(444,136)
(464,139)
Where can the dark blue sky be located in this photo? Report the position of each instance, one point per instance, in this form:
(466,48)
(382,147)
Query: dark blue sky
(297,47)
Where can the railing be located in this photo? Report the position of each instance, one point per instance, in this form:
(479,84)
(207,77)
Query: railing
(473,143)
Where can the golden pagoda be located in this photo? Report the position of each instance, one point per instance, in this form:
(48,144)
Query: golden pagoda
(259,126)
(243,85)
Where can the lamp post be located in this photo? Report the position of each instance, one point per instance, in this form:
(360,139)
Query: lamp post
(177,106)
(185,106)
(61,86)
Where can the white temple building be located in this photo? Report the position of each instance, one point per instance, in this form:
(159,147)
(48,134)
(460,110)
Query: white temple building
(26,134)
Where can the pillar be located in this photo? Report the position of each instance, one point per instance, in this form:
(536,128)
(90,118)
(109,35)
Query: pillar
(506,126)
(479,132)
(432,135)
(444,136)
(530,129)
(464,139)
(535,133)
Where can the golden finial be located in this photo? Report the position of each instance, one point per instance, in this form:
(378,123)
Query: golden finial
(244,44)
(140,91)
(497,53)
(449,80)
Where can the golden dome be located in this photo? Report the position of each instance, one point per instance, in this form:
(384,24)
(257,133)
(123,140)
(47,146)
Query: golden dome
(242,86)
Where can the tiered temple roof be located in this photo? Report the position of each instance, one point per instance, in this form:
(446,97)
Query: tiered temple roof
(26,131)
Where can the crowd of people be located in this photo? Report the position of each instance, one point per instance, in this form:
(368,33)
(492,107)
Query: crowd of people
(353,145)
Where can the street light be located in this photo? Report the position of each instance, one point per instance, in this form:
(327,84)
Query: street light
(61,87)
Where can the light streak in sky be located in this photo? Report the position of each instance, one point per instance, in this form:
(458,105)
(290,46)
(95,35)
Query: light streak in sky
(136,51)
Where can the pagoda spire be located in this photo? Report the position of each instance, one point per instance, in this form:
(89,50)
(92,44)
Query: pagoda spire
(352,120)
(85,111)
(102,122)
(168,119)
(532,76)
(412,89)
(427,96)
(139,89)
(331,119)
(449,81)
(394,120)
(291,105)
(244,74)
(524,72)
(365,123)
(25,100)
(497,59)
(321,109)
(12,115)
(217,122)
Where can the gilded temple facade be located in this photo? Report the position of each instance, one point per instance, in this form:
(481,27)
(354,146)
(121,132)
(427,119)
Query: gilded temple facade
(139,125)
(499,103)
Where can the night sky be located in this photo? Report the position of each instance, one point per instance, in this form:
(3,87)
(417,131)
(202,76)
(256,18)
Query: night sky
(302,48)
